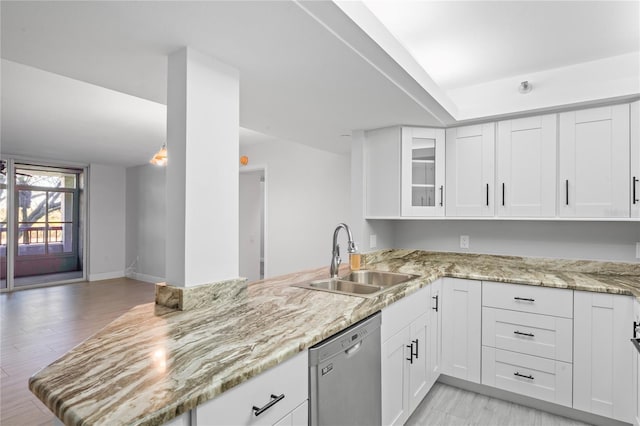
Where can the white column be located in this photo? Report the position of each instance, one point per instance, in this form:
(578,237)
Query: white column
(202,170)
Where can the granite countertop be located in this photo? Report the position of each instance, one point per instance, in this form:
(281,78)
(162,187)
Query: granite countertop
(153,364)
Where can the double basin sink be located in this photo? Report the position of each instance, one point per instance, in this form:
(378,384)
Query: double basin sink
(363,283)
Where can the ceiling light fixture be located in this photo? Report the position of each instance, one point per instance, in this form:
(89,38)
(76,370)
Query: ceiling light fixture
(160,157)
(525,87)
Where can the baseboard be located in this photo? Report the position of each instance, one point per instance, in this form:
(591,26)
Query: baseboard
(559,410)
(106,275)
(146,278)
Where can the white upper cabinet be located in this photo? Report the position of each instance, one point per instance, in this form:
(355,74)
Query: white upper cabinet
(382,173)
(470,170)
(635,159)
(423,172)
(526,167)
(594,163)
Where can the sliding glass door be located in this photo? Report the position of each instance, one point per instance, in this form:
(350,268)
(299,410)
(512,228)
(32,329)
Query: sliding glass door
(45,230)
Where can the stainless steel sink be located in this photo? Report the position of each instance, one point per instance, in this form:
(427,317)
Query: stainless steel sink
(380,278)
(359,283)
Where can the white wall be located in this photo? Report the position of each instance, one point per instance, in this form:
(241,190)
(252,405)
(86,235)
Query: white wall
(308,194)
(146,223)
(250,215)
(106,222)
(613,241)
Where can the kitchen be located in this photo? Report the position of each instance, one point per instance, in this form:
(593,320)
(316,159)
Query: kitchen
(292,243)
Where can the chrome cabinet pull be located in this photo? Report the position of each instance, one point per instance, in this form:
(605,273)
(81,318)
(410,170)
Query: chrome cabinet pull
(441,195)
(566,190)
(274,400)
(503,194)
(530,377)
(524,299)
(523,334)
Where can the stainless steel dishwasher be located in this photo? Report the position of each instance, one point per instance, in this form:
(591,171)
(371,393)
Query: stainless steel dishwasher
(344,377)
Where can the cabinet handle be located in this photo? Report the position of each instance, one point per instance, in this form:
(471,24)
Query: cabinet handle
(487,195)
(416,342)
(523,334)
(635,180)
(274,400)
(411,349)
(566,190)
(441,195)
(530,377)
(436,308)
(635,328)
(524,299)
(503,194)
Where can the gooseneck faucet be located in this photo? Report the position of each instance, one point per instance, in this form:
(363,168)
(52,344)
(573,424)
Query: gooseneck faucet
(335,258)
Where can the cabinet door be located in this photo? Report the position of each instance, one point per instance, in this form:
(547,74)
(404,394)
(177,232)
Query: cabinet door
(435,339)
(298,417)
(602,355)
(526,167)
(395,374)
(382,172)
(635,159)
(594,162)
(461,330)
(423,163)
(636,359)
(470,170)
(419,366)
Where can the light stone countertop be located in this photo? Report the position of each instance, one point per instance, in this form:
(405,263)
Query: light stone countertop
(153,364)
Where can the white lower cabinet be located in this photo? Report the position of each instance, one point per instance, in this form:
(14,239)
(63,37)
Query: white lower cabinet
(636,361)
(408,366)
(277,396)
(461,329)
(603,355)
(537,377)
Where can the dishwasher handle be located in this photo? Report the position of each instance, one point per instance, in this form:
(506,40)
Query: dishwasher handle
(353,349)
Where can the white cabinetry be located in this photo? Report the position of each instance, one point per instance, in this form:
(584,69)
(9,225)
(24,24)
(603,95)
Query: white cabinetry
(461,328)
(382,172)
(527,335)
(285,387)
(635,159)
(636,362)
(603,355)
(526,167)
(435,340)
(594,162)
(423,172)
(470,170)
(408,365)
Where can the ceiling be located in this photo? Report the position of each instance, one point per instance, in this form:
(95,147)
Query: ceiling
(85,81)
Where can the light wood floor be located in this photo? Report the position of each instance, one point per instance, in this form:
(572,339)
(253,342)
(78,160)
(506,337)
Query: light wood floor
(446,405)
(39,325)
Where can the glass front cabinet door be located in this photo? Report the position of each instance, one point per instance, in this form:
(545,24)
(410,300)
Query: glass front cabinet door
(422,172)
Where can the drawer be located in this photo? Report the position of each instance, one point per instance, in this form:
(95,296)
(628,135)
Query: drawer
(540,378)
(235,407)
(528,298)
(400,314)
(532,334)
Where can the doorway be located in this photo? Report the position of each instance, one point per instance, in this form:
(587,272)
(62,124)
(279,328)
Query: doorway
(252,223)
(40,224)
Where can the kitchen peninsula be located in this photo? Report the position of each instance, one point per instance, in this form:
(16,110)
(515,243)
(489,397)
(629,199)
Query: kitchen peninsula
(153,364)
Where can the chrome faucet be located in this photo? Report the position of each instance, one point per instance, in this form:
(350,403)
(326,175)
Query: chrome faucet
(335,258)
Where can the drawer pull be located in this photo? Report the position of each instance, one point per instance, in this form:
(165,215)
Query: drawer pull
(523,334)
(274,400)
(411,349)
(530,377)
(524,299)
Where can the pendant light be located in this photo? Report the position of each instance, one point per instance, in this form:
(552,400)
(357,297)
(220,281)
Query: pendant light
(160,157)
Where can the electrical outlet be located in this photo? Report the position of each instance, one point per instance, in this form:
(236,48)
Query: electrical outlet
(464,241)
(637,250)
(373,241)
